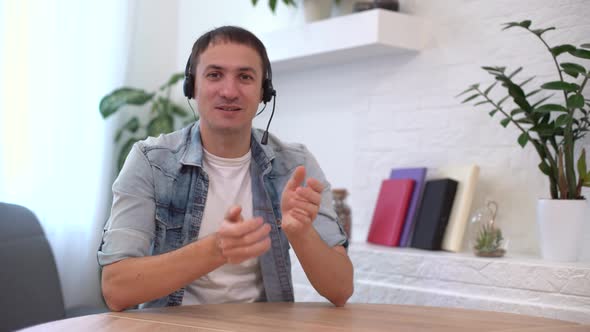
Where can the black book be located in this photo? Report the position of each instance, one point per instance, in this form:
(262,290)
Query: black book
(434,214)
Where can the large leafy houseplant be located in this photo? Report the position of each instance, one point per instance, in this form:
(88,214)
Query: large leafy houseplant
(163,115)
(553,128)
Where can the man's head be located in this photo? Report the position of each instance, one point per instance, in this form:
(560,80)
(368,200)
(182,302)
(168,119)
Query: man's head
(228,73)
(228,34)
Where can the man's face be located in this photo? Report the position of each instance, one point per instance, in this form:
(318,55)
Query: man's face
(228,87)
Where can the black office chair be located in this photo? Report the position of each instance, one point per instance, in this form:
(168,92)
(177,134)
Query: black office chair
(30,290)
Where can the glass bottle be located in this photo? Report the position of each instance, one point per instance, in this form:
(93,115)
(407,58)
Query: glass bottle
(342,209)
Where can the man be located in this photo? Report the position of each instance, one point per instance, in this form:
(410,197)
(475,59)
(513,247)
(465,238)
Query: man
(208,214)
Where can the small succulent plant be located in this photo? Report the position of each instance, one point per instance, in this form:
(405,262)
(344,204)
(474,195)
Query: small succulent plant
(489,241)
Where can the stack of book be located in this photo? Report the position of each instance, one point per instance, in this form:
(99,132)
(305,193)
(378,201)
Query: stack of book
(412,211)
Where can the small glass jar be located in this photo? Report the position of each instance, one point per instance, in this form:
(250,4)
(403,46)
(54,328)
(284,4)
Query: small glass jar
(342,209)
(485,237)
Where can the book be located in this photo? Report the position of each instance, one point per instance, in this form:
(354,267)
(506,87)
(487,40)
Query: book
(434,214)
(467,177)
(418,174)
(390,212)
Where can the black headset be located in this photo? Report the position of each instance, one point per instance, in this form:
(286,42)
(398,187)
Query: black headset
(268,92)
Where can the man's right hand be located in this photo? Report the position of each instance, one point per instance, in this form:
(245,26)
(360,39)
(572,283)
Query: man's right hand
(239,240)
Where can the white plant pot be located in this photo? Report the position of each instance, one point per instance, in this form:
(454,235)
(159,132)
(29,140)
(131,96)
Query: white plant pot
(561,223)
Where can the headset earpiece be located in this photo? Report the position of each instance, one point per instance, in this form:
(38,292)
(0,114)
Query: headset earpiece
(267,91)
(188,86)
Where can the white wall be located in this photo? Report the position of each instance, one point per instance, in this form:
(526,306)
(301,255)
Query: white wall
(363,118)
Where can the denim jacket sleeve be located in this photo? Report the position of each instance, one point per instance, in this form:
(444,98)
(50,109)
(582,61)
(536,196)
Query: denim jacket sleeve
(129,232)
(326,223)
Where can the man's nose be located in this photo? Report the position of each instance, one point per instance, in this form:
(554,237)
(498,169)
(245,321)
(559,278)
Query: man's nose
(229,89)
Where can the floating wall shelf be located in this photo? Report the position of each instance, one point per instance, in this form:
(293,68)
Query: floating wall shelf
(345,39)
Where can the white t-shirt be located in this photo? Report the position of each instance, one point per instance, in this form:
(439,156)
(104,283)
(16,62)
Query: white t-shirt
(229,184)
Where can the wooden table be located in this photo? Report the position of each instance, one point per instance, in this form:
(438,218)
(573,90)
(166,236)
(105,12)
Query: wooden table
(274,317)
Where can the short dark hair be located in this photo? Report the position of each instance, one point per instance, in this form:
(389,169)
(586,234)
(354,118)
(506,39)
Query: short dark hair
(231,34)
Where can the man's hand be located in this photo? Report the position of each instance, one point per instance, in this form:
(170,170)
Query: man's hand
(239,240)
(299,204)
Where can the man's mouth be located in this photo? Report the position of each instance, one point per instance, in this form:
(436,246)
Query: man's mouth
(228,108)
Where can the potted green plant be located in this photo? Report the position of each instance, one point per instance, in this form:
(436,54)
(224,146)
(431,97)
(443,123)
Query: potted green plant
(553,126)
(163,115)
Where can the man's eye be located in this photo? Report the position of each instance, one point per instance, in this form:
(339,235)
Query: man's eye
(214,75)
(246,77)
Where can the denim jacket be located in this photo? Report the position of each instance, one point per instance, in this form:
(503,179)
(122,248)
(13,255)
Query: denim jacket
(159,198)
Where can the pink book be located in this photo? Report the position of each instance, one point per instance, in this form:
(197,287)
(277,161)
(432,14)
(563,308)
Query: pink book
(390,212)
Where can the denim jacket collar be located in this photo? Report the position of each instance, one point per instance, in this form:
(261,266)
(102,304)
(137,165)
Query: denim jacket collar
(193,155)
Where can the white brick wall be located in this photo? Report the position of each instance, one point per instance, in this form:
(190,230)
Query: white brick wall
(363,118)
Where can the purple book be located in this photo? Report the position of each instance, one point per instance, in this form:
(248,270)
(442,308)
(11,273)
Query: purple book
(418,174)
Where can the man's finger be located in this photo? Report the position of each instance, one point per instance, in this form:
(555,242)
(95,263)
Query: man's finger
(240,229)
(315,184)
(233,214)
(296,179)
(246,240)
(308,194)
(305,207)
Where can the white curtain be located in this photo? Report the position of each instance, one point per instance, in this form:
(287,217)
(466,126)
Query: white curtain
(57,59)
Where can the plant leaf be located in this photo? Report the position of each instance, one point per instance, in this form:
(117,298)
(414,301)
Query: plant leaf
(559,85)
(503,100)
(525,24)
(482,102)
(525,120)
(518,70)
(584,54)
(254,2)
(545,168)
(132,125)
(550,108)
(516,111)
(470,98)
(560,49)
(542,100)
(493,112)
(471,88)
(544,129)
(572,73)
(490,88)
(162,124)
(273,5)
(112,102)
(539,32)
(575,101)
(562,120)
(585,46)
(534,92)
(494,70)
(505,122)
(527,80)
(172,80)
(176,109)
(523,139)
(573,67)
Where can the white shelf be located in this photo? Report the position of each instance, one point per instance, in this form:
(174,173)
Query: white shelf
(435,278)
(345,39)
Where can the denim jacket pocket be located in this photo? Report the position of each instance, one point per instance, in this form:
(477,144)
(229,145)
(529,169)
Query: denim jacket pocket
(169,226)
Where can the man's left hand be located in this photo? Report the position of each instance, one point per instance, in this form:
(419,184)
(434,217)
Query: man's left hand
(300,204)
